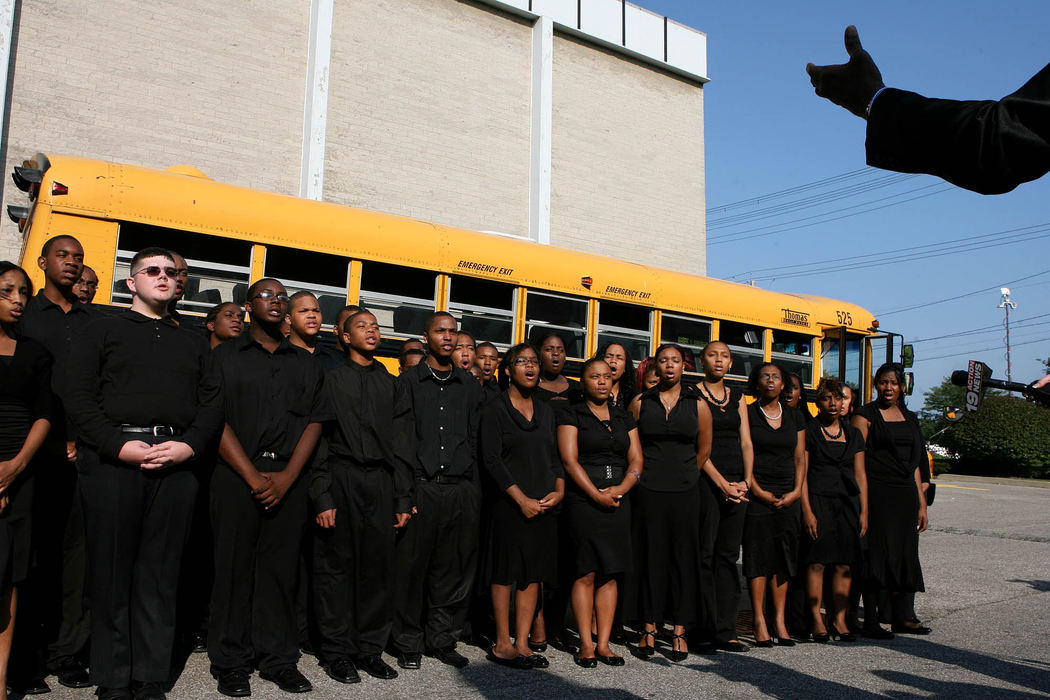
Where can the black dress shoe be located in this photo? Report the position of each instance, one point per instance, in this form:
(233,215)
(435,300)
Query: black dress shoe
(450,657)
(234,684)
(342,670)
(71,673)
(374,666)
(764,643)
(821,638)
(519,662)
(876,633)
(409,659)
(538,647)
(610,660)
(732,645)
(152,690)
(199,643)
(585,661)
(113,693)
(705,648)
(30,686)
(843,636)
(784,641)
(564,643)
(288,679)
(911,629)
(538,661)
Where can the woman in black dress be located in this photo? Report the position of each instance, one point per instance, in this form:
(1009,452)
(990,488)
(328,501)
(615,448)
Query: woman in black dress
(602,454)
(554,384)
(520,455)
(25,410)
(723,500)
(674,425)
(771,527)
(894,453)
(619,360)
(834,510)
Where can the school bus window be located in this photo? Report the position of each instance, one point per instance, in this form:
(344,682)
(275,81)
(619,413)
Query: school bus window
(794,352)
(400,297)
(626,324)
(219,267)
(318,273)
(831,350)
(565,316)
(745,341)
(483,308)
(692,334)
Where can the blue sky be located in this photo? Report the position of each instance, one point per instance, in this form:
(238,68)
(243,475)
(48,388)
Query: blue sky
(766,132)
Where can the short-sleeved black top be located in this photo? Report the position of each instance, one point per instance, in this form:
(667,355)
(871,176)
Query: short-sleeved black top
(519,451)
(774,467)
(669,441)
(894,449)
(573,393)
(599,445)
(726,453)
(831,463)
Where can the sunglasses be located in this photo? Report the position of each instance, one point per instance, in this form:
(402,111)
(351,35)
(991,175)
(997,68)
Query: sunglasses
(154,271)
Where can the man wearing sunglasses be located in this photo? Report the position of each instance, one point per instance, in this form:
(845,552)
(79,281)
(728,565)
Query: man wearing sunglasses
(145,402)
(272,393)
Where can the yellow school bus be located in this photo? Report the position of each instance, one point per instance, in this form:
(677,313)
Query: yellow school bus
(502,289)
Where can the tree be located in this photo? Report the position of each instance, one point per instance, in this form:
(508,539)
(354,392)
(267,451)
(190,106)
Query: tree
(1007,436)
(944,395)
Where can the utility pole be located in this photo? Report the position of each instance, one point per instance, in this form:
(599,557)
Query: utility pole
(1006,304)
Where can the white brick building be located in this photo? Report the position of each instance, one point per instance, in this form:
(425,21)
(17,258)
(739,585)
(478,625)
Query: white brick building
(572,122)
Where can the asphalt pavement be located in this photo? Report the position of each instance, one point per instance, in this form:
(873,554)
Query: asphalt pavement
(986,560)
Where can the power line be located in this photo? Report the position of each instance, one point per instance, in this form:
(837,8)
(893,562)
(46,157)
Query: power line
(970,352)
(926,304)
(985,329)
(792,190)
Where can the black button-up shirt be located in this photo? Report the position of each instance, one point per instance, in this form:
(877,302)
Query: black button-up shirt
(270,398)
(45,322)
(446,414)
(131,369)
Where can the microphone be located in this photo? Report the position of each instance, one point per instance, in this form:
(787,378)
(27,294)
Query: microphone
(960,377)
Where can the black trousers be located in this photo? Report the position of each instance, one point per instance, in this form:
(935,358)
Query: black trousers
(137,523)
(252,620)
(434,563)
(195,580)
(721,531)
(354,562)
(53,621)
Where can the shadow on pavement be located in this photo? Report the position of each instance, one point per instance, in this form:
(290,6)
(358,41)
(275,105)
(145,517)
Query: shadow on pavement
(947,689)
(778,681)
(1041,586)
(493,681)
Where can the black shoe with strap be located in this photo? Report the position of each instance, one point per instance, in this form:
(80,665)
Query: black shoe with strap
(677,655)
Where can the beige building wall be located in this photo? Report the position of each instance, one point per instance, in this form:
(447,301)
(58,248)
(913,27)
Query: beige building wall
(211,84)
(627,160)
(428,112)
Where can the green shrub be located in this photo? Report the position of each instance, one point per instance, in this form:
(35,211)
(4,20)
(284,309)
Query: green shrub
(1006,437)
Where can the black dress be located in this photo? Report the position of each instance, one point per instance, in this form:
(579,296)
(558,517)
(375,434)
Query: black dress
(893,451)
(771,535)
(520,551)
(833,496)
(600,537)
(666,524)
(25,397)
(573,393)
(721,524)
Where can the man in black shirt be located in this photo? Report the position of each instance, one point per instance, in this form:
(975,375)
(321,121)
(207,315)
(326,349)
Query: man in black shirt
(304,319)
(259,509)
(145,404)
(54,622)
(437,553)
(361,489)
(340,319)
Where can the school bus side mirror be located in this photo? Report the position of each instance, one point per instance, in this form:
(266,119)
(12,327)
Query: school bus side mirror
(908,355)
(909,383)
(952,414)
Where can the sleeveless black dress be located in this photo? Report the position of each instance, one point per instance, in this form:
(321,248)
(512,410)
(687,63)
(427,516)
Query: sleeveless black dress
(771,535)
(893,451)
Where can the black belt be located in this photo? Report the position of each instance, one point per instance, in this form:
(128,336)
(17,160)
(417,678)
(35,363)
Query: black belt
(154,430)
(443,479)
(605,473)
(271,456)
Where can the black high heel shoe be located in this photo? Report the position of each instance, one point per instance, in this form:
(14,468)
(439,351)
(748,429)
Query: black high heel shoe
(538,647)
(843,636)
(647,651)
(677,655)
(821,638)
(784,641)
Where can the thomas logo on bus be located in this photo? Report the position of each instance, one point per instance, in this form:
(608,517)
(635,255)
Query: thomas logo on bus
(796,318)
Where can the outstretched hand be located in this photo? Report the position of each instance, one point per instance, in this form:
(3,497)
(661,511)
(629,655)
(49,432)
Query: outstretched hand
(851,84)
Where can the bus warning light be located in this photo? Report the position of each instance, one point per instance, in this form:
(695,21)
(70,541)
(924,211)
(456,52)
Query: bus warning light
(59,188)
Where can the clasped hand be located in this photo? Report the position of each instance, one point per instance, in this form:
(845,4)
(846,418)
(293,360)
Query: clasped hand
(272,488)
(145,456)
(531,507)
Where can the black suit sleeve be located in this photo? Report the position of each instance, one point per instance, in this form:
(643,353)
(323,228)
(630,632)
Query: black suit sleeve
(987,146)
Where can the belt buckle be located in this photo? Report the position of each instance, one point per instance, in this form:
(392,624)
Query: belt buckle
(269,455)
(608,471)
(162,431)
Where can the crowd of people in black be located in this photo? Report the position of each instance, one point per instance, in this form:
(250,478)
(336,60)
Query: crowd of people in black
(253,494)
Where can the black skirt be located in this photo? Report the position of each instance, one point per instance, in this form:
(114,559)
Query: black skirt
(771,540)
(893,539)
(600,537)
(838,531)
(521,551)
